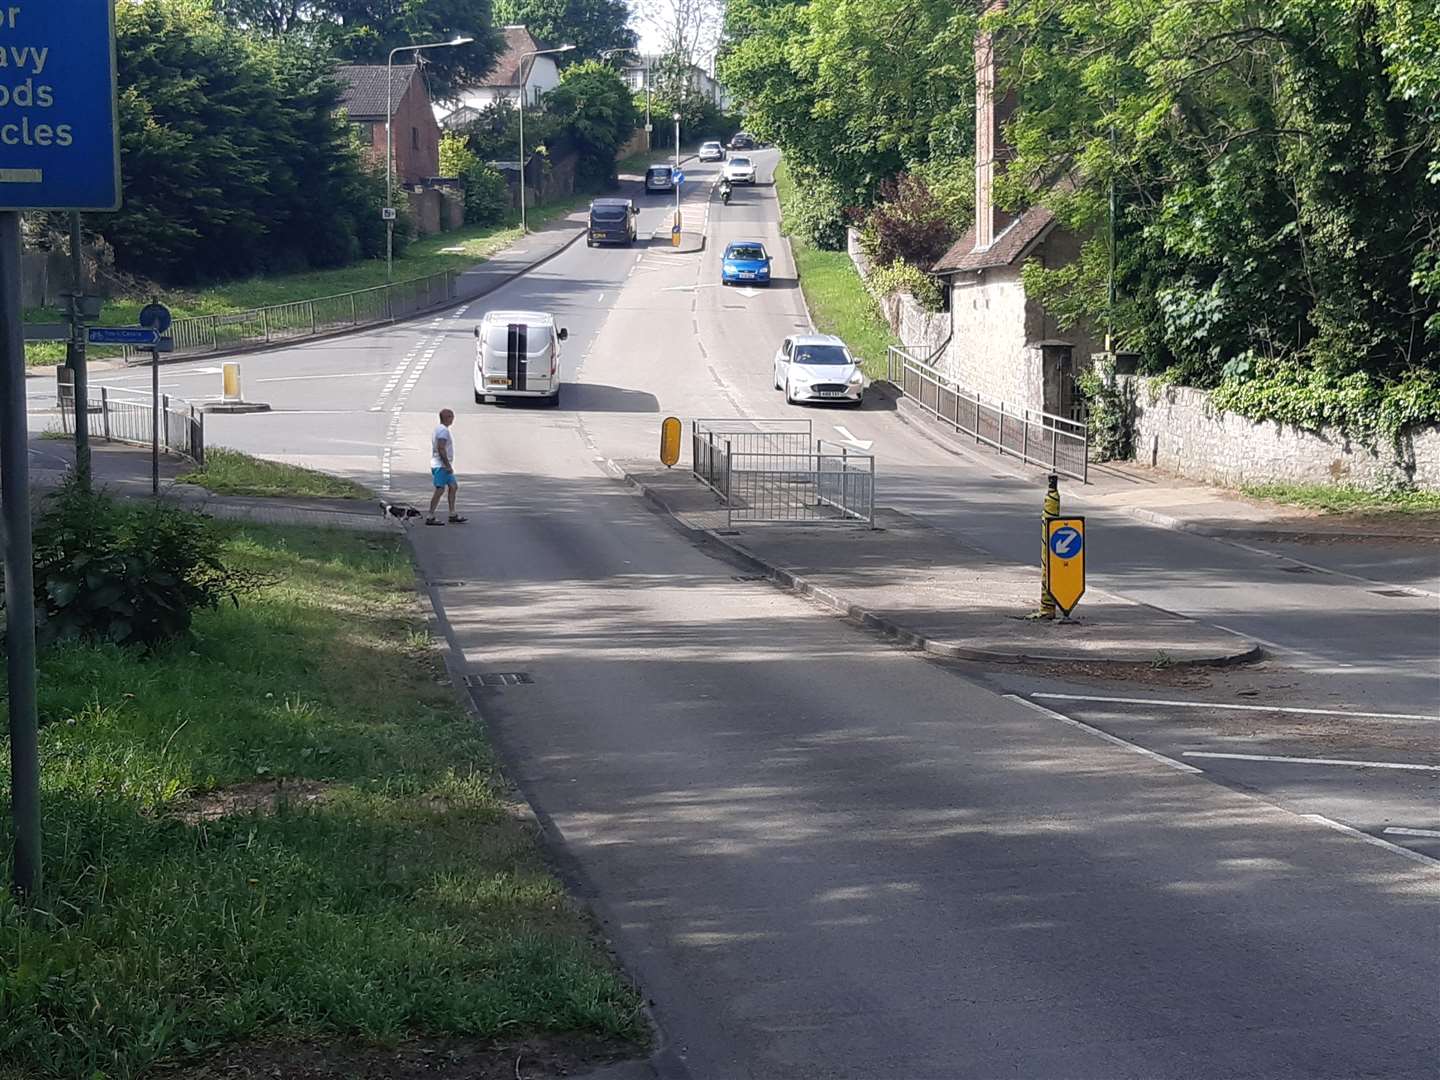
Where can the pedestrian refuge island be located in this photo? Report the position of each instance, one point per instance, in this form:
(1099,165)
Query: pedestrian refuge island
(777,471)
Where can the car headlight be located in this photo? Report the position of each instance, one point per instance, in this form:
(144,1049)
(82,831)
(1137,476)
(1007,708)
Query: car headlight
(731,268)
(856,379)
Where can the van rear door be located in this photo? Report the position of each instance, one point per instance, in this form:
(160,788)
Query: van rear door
(519,357)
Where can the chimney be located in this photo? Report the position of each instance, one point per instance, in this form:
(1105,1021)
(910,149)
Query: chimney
(990,149)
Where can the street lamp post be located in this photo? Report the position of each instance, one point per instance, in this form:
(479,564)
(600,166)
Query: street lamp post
(389,138)
(529,56)
(677,165)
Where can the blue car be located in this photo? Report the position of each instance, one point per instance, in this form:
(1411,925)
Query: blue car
(745,261)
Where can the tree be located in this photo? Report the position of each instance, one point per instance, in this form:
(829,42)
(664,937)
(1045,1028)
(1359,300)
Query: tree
(233,159)
(364,32)
(1272,165)
(594,108)
(590,25)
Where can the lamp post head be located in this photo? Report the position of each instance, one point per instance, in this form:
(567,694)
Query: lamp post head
(677,117)
(565,48)
(460,39)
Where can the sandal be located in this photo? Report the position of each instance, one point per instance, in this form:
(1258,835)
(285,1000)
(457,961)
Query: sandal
(458,519)
(433,521)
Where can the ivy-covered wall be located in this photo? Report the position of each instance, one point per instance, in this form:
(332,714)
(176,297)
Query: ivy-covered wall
(1179,429)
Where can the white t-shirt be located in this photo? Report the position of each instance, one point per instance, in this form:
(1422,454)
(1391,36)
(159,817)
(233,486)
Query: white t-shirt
(442,434)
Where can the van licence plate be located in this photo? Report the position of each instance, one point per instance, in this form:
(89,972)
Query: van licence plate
(497,380)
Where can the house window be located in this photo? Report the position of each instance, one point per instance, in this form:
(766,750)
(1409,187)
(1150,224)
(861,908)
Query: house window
(366,133)
(414,138)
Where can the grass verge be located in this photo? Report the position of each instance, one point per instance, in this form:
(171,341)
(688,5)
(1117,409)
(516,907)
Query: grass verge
(1345,499)
(398,896)
(230,472)
(458,250)
(837,297)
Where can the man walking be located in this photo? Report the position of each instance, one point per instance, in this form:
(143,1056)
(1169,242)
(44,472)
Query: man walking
(442,468)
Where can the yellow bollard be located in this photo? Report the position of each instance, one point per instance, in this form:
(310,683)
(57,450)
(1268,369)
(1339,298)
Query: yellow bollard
(230,381)
(1049,513)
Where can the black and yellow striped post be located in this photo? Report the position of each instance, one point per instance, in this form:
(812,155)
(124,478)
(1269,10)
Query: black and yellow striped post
(1050,511)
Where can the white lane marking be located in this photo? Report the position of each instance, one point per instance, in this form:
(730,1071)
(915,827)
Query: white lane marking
(1413,590)
(344,375)
(1397,830)
(1312,761)
(1179,766)
(1412,855)
(600,299)
(1235,706)
(863,444)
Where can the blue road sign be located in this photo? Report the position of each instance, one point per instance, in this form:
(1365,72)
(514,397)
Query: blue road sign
(156,316)
(59,147)
(679,178)
(1066,542)
(121,335)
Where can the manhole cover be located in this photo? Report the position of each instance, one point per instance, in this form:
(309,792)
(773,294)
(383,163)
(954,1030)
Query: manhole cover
(499,678)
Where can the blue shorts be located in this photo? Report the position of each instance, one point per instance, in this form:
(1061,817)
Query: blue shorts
(442,477)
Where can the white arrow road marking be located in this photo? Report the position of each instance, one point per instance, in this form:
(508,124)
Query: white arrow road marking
(689,288)
(1429,833)
(863,444)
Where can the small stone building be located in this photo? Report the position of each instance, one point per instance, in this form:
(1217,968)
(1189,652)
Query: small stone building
(1003,343)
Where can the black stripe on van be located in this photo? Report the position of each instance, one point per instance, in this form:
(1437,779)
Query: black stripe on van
(517,353)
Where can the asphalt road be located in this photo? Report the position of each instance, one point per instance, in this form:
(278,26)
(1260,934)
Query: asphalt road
(823,857)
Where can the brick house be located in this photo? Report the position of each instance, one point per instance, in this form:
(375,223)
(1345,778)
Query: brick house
(414,133)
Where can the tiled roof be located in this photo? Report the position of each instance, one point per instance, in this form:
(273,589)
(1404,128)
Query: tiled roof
(506,71)
(363,88)
(1010,246)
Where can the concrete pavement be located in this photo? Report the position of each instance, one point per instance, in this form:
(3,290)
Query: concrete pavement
(920,587)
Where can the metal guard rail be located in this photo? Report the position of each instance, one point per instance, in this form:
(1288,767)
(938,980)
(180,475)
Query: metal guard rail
(302,319)
(124,416)
(1057,443)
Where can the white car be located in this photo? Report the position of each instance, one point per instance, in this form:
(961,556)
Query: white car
(818,367)
(712,151)
(740,170)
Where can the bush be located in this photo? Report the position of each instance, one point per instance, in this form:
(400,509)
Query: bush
(900,276)
(487,196)
(1110,415)
(816,211)
(134,575)
(907,222)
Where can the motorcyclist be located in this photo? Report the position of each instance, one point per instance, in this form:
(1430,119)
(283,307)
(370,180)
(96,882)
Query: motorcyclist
(724,190)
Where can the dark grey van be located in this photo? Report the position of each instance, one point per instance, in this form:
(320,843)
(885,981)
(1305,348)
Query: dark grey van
(612,221)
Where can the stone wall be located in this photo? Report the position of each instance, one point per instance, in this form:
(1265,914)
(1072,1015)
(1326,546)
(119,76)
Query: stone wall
(922,332)
(1179,430)
(990,350)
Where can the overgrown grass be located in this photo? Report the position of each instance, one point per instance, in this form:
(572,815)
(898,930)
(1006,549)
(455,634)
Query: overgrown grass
(458,250)
(230,472)
(1346,499)
(837,297)
(408,900)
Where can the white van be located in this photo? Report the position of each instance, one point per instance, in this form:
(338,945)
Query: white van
(517,354)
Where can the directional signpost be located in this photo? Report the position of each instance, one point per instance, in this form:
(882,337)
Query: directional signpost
(121,335)
(1065,561)
(58,151)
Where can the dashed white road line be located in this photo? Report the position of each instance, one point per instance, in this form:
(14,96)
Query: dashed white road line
(1178,766)
(1296,709)
(1312,761)
(1396,830)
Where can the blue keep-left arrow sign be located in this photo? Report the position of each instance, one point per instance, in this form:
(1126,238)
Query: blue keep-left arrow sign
(1066,542)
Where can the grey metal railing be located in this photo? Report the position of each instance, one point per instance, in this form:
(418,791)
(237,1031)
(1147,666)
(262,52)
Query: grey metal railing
(125,416)
(775,471)
(305,318)
(1058,443)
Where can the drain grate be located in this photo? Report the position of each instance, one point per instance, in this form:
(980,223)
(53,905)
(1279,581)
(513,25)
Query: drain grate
(1392,592)
(499,678)
(748,577)
(1296,570)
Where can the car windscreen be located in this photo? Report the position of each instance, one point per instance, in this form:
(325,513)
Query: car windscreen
(746,252)
(820,354)
(607,213)
(740,161)
(711,146)
(662,173)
